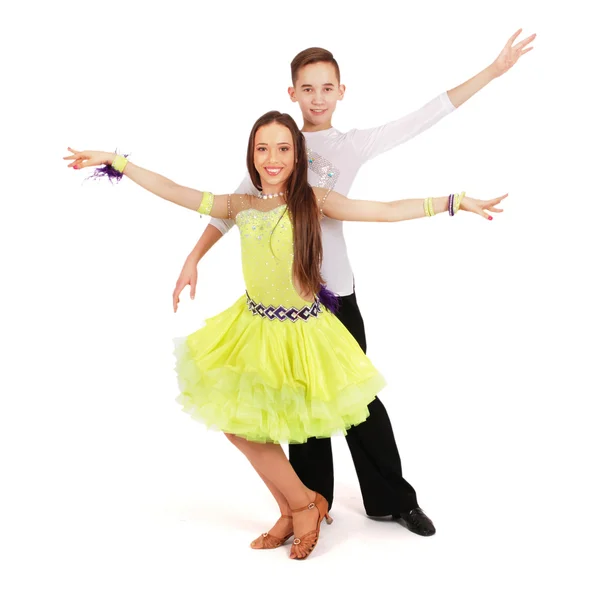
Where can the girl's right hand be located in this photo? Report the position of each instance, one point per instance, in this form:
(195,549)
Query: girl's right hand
(188,276)
(88,158)
(480,206)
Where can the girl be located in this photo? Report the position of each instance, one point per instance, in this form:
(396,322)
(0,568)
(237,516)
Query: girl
(278,366)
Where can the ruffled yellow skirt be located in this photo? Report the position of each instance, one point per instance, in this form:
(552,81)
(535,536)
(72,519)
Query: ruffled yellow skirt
(273,381)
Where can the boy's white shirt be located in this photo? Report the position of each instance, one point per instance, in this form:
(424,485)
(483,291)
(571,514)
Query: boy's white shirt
(334,161)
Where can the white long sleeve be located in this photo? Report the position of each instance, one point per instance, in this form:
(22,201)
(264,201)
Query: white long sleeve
(369,143)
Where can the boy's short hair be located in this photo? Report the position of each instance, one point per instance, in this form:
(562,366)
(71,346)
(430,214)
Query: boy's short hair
(311,56)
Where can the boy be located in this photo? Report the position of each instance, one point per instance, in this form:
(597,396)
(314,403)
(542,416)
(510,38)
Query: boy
(334,160)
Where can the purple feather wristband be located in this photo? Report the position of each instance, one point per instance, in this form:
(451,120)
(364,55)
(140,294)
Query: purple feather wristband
(108,172)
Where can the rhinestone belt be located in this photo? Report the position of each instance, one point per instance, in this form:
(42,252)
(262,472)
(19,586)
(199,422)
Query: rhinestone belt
(282,313)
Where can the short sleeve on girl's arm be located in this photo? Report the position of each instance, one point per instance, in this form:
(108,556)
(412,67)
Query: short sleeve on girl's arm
(222,206)
(236,203)
(321,197)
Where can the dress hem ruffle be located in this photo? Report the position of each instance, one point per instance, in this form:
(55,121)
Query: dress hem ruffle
(242,402)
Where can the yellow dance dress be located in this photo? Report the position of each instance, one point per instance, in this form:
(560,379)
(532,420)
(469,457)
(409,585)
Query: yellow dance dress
(274,367)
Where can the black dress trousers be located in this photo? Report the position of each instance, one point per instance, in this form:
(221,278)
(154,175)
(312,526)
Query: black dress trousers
(372,445)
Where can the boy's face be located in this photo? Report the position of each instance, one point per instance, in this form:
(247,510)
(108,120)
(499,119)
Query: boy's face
(317,90)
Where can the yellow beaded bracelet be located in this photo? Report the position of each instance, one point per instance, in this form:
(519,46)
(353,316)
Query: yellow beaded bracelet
(206,205)
(457,200)
(428,207)
(119,163)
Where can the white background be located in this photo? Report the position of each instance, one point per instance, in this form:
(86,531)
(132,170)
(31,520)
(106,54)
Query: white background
(487,332)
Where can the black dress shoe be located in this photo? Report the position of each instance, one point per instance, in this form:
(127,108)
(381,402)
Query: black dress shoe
(416,521)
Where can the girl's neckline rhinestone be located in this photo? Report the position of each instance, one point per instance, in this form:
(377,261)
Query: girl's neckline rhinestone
(265,196)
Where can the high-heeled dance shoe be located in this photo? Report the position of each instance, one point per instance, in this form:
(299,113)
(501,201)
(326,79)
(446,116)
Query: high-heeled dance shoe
(266,541)
(303,546)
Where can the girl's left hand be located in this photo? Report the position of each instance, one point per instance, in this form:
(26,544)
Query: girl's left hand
(480,206)
(510,54)
(88,158)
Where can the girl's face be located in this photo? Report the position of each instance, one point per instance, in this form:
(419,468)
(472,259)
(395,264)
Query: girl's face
(274,156)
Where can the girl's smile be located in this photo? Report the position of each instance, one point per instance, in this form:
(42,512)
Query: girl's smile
(274,156)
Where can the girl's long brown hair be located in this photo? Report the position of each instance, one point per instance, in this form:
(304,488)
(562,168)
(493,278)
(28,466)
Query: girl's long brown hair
(301,202)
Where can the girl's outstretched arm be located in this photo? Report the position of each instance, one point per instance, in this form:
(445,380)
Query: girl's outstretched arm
(339,207)
(153,182)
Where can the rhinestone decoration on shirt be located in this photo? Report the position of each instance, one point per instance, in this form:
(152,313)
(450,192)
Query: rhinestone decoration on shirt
(327,172)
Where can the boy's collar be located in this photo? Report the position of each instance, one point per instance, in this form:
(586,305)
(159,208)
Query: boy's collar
(329,130)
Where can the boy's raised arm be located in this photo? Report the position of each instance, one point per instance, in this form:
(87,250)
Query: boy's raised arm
(369,143)
(507,58)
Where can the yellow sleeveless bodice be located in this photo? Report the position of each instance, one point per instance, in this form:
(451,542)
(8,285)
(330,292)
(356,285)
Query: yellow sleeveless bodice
(267,241)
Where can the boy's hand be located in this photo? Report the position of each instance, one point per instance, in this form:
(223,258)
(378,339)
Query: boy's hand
(188,276)
(510,54)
